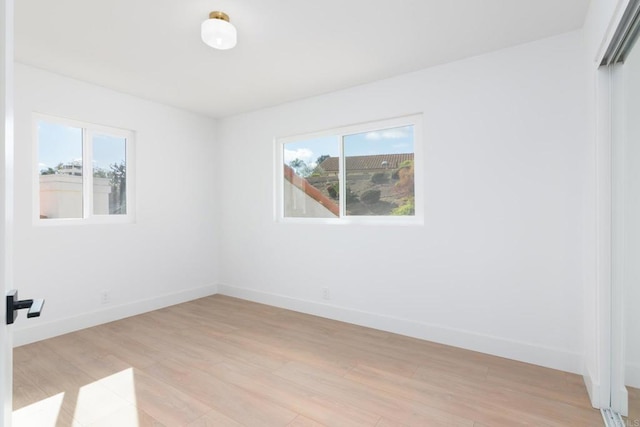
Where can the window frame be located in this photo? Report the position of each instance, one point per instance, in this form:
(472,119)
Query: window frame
(415,120)
(88,131)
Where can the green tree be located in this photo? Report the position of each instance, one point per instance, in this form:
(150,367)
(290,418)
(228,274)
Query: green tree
(118,180)
(48,171)
(297,164)
(322,158)
(100,173)
(300,168)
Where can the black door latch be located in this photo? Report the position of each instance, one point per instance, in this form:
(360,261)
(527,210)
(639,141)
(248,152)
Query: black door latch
(13,305)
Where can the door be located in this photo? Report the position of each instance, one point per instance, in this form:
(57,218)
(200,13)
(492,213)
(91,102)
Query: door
(624,65)
(6,204)
(625,375)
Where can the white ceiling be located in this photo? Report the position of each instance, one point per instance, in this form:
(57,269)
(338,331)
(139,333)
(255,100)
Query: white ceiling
(287,49)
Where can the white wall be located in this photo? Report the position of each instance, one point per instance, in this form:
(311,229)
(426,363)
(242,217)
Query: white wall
(167,256)
(498,265)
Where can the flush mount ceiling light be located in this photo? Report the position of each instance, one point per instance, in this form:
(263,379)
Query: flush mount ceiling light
(218,32)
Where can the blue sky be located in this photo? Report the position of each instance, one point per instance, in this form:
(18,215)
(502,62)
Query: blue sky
(59,143)
(387,141)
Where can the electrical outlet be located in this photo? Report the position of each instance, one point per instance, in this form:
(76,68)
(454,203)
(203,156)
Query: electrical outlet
(325,293)
(104,297)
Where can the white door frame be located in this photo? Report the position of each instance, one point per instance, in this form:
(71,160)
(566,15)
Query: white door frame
(599,383)
(6,204)
(619,400)
(601,393)
(611,225)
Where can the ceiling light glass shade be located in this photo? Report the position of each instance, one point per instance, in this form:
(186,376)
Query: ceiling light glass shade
(218,32)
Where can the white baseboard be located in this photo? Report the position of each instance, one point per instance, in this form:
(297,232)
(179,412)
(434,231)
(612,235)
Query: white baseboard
(593,389)
(525,352)
(43,331)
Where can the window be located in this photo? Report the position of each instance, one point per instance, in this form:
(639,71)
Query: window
(84,172)
(362,173)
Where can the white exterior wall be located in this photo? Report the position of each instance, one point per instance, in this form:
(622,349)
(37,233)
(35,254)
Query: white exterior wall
(167,256)
(61,196)
(101,191)
(498,265)
(298,204)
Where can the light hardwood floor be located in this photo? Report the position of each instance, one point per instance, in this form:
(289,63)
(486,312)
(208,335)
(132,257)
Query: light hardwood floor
(220,361)
(633,420)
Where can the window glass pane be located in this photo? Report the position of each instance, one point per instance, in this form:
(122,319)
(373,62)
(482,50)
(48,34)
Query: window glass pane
(311,183)
(109,175)
(60,170)
(379,172)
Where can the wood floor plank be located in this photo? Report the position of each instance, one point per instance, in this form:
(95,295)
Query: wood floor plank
(286,351)
(313,405)
(301,421)
(222,361)
(128,348)
(25,392)
(389,423)
(162,401)
(214,419)
(226,398)
(242,350)
(634,407)
(374,400)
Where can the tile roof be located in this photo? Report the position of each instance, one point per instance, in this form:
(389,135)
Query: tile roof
(330,164)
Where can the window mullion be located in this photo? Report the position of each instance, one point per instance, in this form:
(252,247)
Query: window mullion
(87,172)
(342,179)
(130,167)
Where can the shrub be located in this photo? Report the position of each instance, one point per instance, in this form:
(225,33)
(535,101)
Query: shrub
(351,196)
(333,190)
(406,166)
(406,179)
(370,197)
(379,178)
(409,208)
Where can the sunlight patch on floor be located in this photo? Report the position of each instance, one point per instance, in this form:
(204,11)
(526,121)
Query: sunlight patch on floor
(104,397)
(96,401)
(109,401)
(43,413)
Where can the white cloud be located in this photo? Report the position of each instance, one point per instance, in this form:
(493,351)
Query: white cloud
(303,154)
(387,134)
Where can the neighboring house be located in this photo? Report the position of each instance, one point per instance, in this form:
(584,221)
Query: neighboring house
(61,195)
(375,163)
(74,169)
